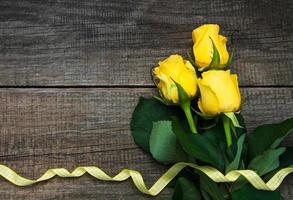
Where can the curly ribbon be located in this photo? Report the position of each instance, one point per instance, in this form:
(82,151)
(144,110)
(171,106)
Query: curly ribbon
(159,185)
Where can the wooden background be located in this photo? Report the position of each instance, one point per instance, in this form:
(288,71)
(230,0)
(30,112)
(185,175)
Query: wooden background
(71,73)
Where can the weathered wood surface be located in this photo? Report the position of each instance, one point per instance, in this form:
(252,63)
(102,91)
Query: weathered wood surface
(43,128)
(111,45)
(116,42)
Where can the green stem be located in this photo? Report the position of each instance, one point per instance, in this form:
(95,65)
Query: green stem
(186,108)
(227,128)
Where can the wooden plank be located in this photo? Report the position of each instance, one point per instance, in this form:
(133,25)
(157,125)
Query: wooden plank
(44,128)
(117,42)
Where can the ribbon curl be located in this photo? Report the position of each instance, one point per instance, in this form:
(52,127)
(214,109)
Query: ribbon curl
(159,185)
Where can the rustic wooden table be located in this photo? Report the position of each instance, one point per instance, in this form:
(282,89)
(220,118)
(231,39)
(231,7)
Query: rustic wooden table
(71,73)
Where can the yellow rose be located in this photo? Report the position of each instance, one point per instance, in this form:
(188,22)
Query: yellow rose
(219,92)
(177,69)
(203,47)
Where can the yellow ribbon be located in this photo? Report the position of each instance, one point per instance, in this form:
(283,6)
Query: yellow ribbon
(159,185)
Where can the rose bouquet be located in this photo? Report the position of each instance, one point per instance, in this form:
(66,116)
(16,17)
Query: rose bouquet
(195,125)
(196,121)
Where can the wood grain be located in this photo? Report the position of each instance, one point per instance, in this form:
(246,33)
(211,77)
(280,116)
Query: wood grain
(71,72)
(117,42)
(43,128)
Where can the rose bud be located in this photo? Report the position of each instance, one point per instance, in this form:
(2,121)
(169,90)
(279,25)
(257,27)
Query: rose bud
(175,68)
(219,92)
(205,39)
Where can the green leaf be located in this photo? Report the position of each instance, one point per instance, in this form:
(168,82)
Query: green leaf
(187,173)
(210,187)
(229,62)
(240,119)
(235,163)
(237,130)
(217,136)
(164,198)
(198,146)
(215,59)
(286,159)
(185,190)
(163,144)
(184,101)
(205,195)
(207,124)
(248,192)
(146,112)
(216,56)
(267,161)
(183,96)
(268,136)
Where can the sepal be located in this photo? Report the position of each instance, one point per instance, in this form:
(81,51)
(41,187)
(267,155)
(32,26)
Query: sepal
(215,63)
